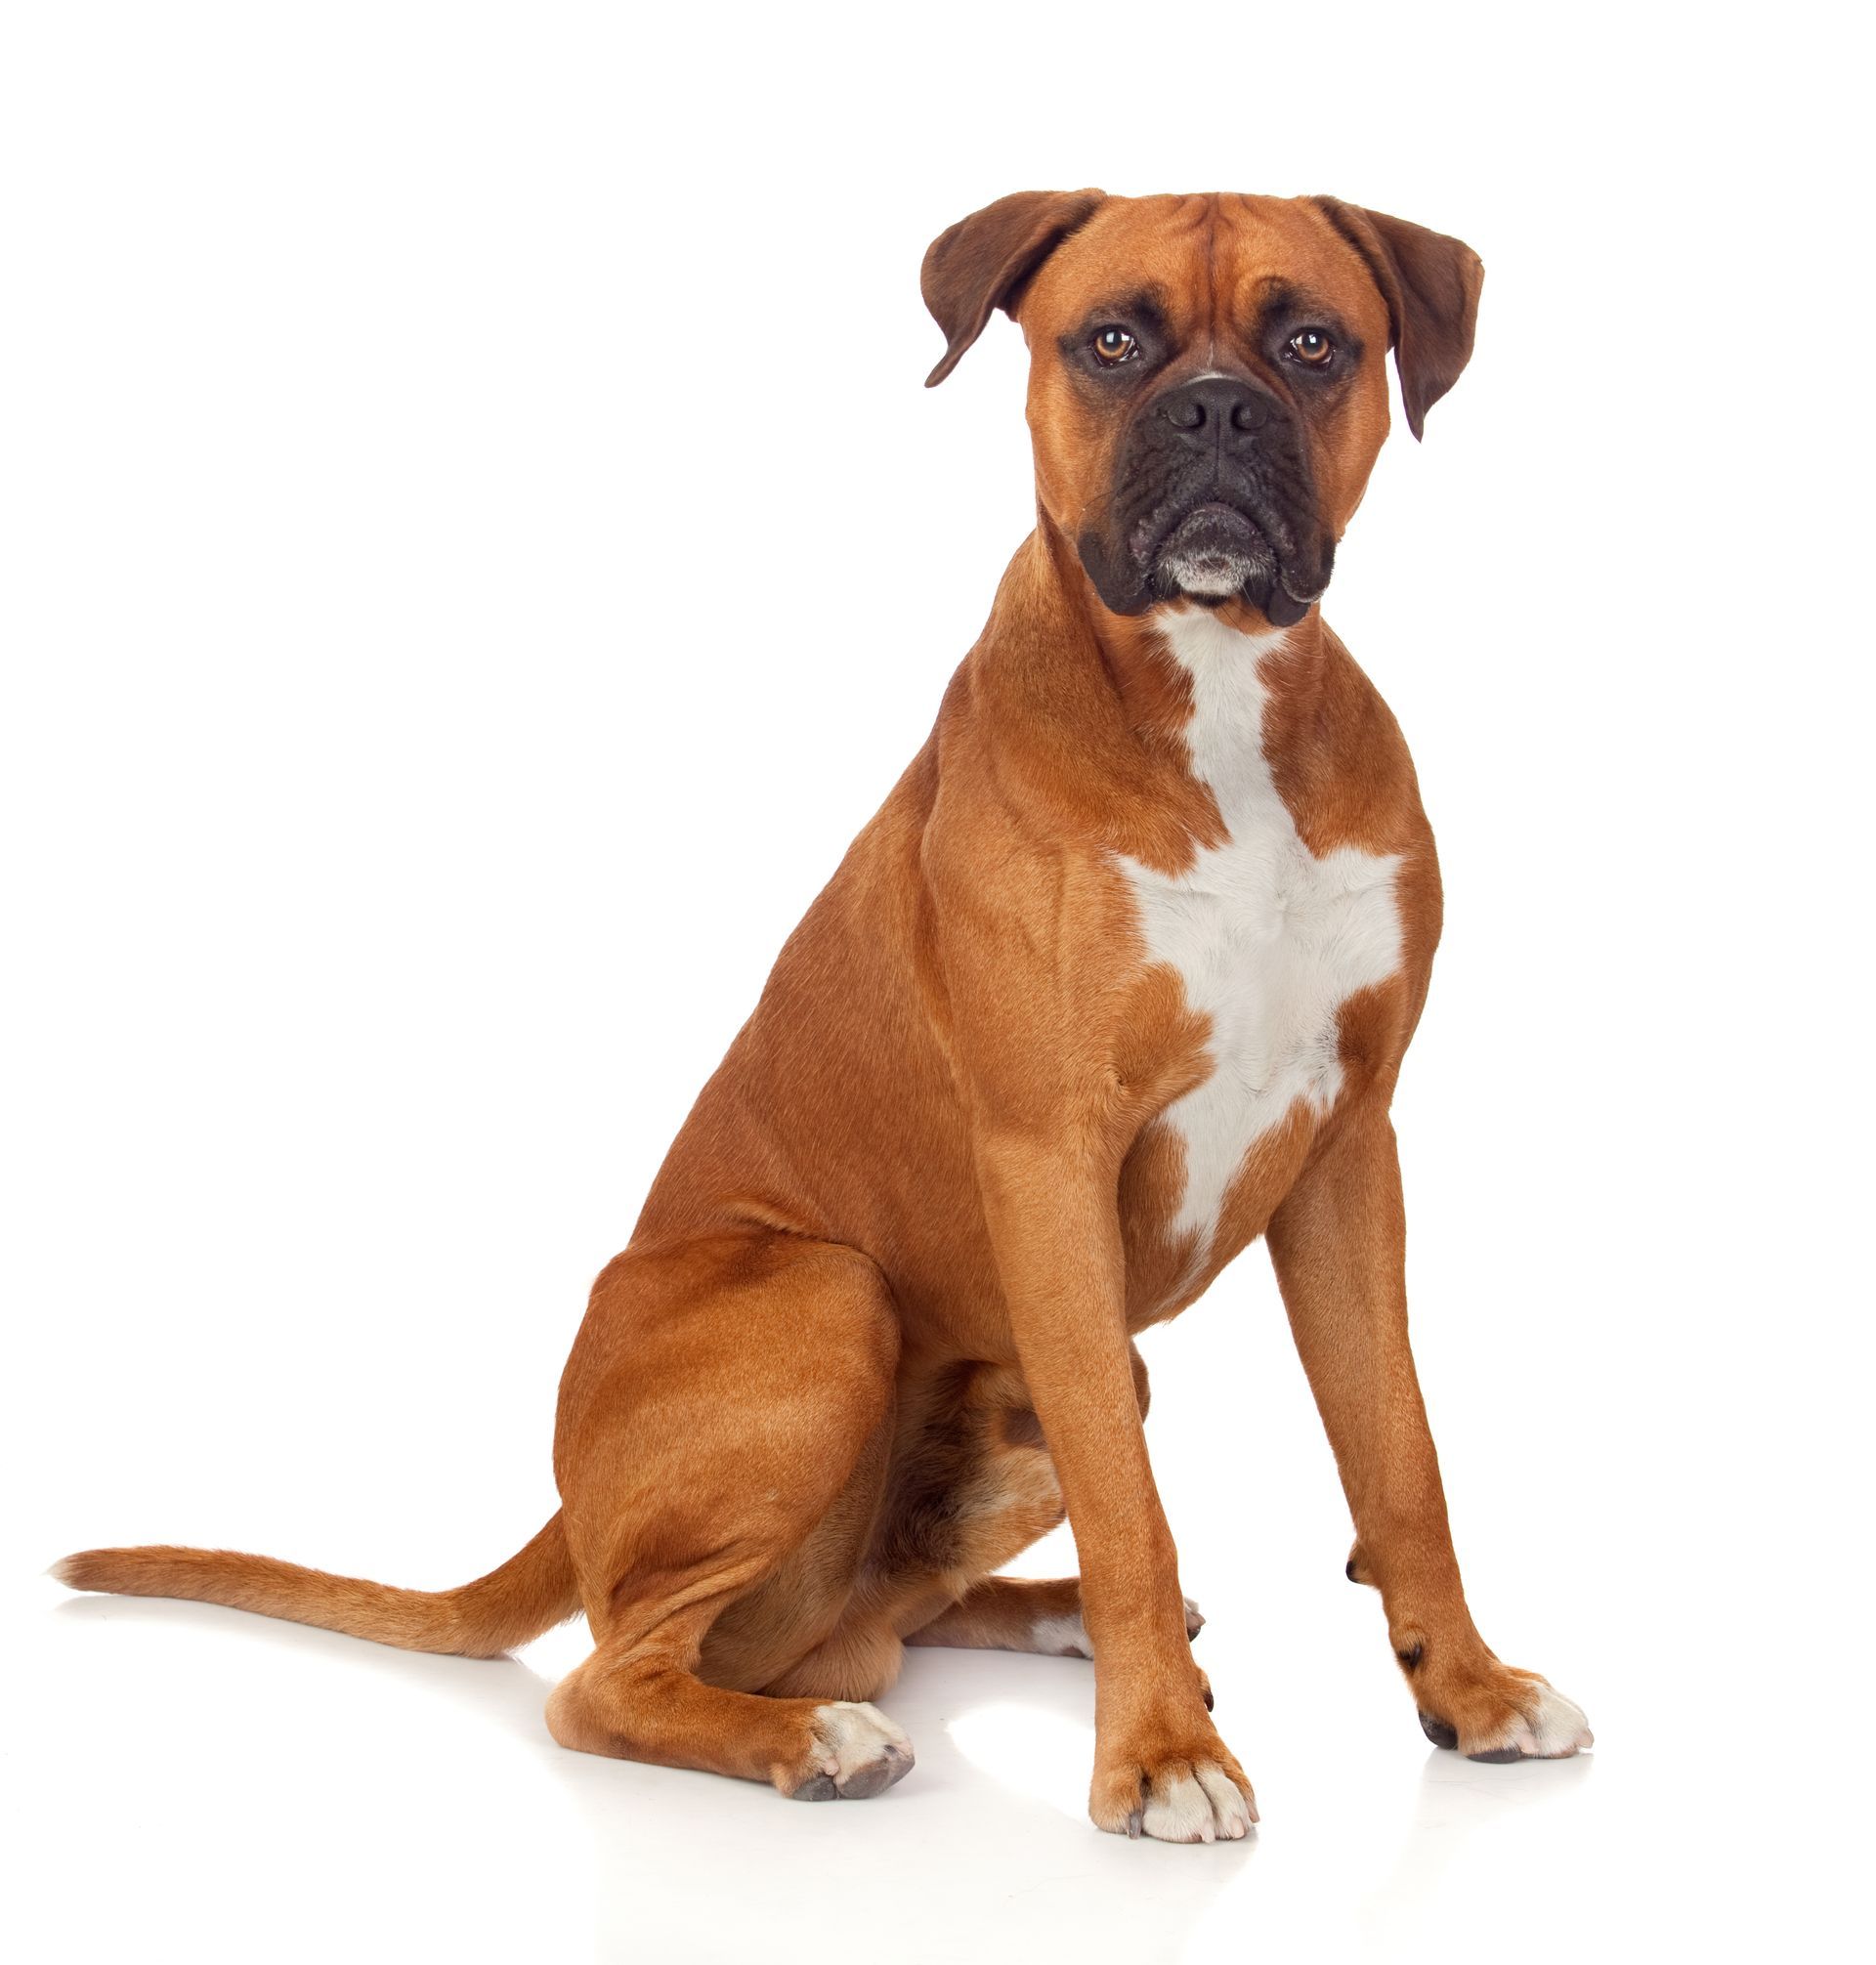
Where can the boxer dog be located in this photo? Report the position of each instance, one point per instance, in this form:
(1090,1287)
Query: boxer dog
(1118,979)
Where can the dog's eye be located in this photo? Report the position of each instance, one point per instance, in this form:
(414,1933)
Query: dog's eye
(1313,348)
(1114,345)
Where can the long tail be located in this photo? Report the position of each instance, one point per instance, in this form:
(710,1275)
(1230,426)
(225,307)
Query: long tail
(529,1594)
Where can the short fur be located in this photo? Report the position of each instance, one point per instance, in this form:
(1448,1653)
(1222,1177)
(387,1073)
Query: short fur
(1118,979)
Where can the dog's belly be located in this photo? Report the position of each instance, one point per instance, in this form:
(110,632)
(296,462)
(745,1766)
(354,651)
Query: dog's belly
(1268,940)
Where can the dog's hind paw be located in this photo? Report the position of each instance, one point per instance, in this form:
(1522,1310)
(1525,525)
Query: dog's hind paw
(856,1752)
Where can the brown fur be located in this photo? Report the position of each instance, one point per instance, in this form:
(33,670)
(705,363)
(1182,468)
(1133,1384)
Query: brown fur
(871,1333)
(529,1594)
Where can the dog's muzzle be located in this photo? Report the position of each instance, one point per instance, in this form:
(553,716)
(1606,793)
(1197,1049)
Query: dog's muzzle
(1214,500)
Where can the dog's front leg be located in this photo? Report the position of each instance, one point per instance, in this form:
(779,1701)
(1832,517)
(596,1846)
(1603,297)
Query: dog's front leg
(1339,1244)
(1160,1767)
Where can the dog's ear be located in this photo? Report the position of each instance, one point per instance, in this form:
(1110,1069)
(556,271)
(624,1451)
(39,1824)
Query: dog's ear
(986,260)
(1431,283)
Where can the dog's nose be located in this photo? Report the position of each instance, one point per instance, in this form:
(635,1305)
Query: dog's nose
(1216,405)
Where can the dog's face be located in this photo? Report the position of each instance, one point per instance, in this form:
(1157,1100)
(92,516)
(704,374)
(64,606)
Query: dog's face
(1207,384)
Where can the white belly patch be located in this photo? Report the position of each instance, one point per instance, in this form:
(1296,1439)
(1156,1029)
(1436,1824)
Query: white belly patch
(1268,940)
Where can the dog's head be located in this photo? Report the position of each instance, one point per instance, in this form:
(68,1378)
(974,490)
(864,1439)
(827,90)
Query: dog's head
(1207,392)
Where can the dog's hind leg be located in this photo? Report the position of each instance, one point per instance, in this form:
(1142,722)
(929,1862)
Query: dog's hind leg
(1013,1614)
(1022,1614)
(726,1407)
(641,1703)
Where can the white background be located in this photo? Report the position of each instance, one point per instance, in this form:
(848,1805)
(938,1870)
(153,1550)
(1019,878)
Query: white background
(476,548)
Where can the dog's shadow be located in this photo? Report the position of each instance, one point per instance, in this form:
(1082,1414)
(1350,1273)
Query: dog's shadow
(1455,1801)
(983,1851)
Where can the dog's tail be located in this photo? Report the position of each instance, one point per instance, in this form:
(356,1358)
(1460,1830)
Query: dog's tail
(529,1594)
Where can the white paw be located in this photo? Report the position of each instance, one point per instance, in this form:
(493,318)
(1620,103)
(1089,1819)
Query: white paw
(1554,1729)
(1204,1806)
(858,1752)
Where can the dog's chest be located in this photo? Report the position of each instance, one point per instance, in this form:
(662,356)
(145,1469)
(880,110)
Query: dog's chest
(1269,939)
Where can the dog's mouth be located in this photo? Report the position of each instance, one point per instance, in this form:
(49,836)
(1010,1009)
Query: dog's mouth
(1213,551)
(1217,552)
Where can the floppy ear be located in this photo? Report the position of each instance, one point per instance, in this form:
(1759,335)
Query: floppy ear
(986,260)
(1431,283)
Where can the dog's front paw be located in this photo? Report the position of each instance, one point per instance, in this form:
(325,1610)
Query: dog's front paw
(1176,1790)
(1497,1713)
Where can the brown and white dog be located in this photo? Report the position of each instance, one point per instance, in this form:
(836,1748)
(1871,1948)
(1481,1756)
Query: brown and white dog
(1118,979)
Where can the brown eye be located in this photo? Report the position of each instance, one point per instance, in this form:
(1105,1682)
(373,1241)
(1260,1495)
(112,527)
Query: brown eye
(1114,345)
(1313,348)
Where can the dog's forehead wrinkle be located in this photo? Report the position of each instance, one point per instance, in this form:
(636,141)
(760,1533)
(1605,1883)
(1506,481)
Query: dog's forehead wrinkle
(1212,278)
(1128,297)
(1226,259)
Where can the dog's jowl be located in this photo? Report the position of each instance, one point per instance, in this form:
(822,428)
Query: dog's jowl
(1118,981)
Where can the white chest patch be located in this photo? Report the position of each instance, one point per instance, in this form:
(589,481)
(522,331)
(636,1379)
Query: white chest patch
(1269,940)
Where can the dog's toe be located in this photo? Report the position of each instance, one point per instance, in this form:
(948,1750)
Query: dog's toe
(1202,1805)
(1552,1728)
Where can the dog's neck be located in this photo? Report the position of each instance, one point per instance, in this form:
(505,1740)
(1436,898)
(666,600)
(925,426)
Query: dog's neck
(1093,711)
(1132,656)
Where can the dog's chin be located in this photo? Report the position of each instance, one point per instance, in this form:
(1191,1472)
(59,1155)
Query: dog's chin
(1217,554)
(1213,554)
